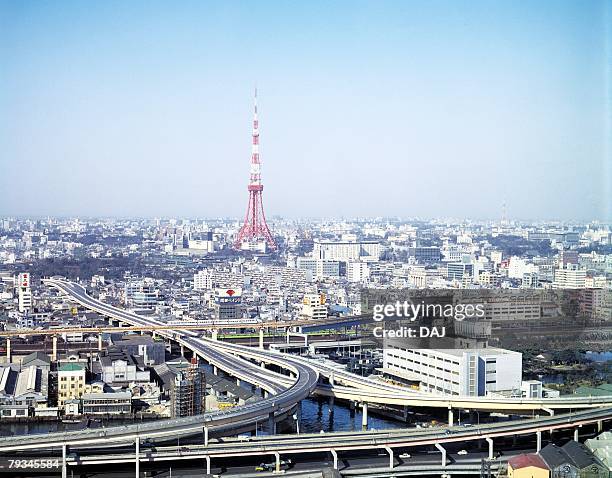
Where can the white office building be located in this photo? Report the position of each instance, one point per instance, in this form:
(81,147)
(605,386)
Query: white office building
(367,251)
(476,372)
(357,271)
(320,268)
(203,280)
(569,277)
(24,292)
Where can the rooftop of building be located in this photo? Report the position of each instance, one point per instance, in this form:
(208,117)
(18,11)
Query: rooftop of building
(71,367)
(526,460)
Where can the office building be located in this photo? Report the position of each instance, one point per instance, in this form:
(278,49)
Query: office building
(358,272)
(203,280)
(569,277)
(141,295)
(476,372)
(24,292)
(228,304)
(425,254)
(366,251)
(459,270)
(322,268)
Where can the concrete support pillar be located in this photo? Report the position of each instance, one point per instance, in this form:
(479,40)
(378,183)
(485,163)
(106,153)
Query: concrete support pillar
(262,365)
(215,334)
(288,337)
(215,370)
(490,442)
(277,462)
(207,464)
(364,416)
(8,350)
(238,382)
(576,434)
(99,342)
(443,451)
(271,424)
(331,404)
(390,452)
(205,436)
(331,379)
(335,456)
(54,352)
(538,440)
(599,423)
(64,468)
(137,457)
(261,338)
(298,417)
(182,350)
(451,417)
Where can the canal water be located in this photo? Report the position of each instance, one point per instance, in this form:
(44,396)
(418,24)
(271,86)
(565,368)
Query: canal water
(317,415)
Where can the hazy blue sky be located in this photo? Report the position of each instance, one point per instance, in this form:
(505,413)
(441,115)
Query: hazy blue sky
(432,108)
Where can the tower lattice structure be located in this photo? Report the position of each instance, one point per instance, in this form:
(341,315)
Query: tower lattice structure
(255,226)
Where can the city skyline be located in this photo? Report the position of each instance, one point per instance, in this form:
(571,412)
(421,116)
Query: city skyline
(366,110)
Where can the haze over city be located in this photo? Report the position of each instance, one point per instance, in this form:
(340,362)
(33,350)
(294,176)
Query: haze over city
(366,109)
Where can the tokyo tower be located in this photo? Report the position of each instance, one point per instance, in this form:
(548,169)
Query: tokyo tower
(255,227)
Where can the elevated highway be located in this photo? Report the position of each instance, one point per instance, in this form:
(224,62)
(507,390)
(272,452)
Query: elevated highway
(343,384)
(335,443)
(281,398)
(287,391)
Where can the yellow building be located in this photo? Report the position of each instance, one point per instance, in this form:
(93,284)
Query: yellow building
(70,383)
(528,465)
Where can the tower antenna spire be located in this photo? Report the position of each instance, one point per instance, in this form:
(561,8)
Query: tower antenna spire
(255,226)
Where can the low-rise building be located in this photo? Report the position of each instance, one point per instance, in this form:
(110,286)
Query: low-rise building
(107,403)
(71,382)
(528,465)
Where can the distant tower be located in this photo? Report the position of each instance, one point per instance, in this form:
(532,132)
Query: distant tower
(255,226)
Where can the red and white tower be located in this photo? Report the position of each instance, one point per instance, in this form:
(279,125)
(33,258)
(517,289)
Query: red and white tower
(255,227)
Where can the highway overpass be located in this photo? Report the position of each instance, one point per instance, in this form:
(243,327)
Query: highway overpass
(285,393)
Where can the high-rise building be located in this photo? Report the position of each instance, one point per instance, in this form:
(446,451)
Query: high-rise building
(357,271)
(25,293)
(203,280)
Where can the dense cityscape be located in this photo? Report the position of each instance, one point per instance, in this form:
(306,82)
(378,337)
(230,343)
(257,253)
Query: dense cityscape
(63,369)
(427,291)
